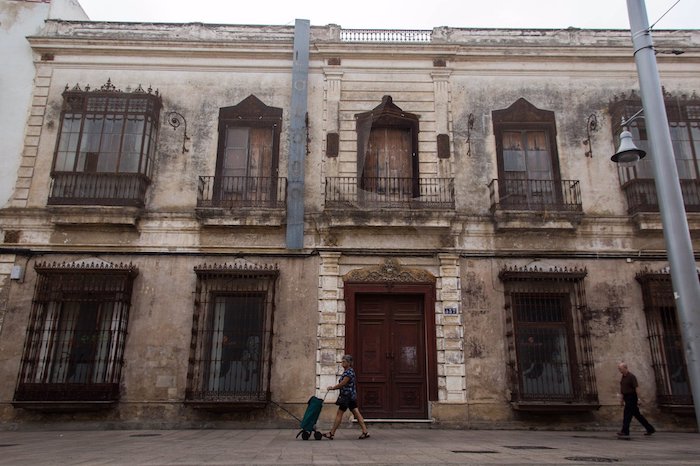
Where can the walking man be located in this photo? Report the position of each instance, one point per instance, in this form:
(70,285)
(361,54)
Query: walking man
(628,389)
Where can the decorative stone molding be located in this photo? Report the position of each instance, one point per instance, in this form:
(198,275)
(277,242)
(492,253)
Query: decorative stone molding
(389,272)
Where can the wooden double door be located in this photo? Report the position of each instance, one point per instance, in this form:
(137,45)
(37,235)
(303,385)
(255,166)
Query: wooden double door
(390,349)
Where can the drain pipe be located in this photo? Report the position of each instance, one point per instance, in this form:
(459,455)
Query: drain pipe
(297,136)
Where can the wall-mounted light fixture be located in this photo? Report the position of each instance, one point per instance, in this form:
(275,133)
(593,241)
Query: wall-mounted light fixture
(591,127)
(176,119)
(627,152)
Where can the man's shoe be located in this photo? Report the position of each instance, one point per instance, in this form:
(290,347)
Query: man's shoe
(622,434)
(649,432)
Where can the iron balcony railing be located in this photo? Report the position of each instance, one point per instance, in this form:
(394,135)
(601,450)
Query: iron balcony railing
(388,192)
(112,189)
(242,191)
(641,195)
(535,195)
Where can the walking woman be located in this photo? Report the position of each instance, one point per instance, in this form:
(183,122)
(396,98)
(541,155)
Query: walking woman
(347,399)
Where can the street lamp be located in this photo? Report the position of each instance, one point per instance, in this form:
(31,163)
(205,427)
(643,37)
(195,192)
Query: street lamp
(628,153)
(684,273)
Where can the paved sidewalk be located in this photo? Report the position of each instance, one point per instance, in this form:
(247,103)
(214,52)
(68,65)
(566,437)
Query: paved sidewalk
(385,446)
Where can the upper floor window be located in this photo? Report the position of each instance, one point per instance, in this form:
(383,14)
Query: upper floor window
(528,163)
(247,162)
(106,146)
(388,166)
(77,328)
(387,151)
(684,126)
(231,336)
(108,131)
(548,339)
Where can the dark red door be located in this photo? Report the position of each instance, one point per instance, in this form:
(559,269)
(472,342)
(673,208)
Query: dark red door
(390,356)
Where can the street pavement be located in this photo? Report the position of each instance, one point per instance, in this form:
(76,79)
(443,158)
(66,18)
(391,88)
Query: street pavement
(386,445)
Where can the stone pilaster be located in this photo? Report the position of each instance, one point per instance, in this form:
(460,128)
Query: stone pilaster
(450,331)
(32,136)
(332,115)
(331,320)
(441,90)
(6,263)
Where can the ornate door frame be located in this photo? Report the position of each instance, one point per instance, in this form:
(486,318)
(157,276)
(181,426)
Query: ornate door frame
(391,278)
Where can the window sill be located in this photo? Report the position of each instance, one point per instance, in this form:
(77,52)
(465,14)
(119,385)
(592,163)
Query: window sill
(226,406)
(536,220)
(64,406)
(554,406)
(94,215)
(387,218)
(224,217)
(651,221)
(683,410)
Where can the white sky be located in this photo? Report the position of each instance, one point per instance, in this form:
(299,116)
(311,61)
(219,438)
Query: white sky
(403,14)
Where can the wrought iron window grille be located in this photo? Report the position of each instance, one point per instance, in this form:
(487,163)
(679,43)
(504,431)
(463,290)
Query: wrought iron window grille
(231,350)
(665,341)
(549,348)
(74,347)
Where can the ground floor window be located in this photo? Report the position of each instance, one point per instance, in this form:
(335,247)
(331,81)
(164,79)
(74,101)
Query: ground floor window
(75,340)
(550,360)
(231,335)
(542,350)
(665,341)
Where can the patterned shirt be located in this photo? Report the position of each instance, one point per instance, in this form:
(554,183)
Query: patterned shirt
(348,389)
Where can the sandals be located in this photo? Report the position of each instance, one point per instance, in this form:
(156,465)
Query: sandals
(364,435)
(329,435)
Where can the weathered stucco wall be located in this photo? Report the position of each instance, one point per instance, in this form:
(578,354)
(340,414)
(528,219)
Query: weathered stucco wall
(157,349)
(458,77)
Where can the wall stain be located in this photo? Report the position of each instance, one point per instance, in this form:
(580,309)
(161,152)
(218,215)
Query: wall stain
(611,316)
(475,348)
(473,295)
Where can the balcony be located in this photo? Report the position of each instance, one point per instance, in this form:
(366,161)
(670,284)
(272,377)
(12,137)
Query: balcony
(641,196)
(241,200)
(349,192)
(643,204)
(242,191)
(536,204)
(103,189)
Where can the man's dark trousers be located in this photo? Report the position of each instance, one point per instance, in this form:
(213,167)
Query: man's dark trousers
(632,410)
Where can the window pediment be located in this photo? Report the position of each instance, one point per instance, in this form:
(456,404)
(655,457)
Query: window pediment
(390,271)
(537,273)
(387,113)
(251,108)
(88,264)
(522,111)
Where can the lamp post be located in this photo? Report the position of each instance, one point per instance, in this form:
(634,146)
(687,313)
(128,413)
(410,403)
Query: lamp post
(684,275)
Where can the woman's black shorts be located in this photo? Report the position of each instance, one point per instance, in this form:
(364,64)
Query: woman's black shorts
(345,403)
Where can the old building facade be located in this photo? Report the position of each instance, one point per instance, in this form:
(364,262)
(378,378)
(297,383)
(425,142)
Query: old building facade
(208,216)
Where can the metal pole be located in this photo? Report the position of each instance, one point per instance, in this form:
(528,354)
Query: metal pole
(297,136)
(684,275)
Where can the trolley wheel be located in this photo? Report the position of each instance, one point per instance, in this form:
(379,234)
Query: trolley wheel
(318,435)
(305,435)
